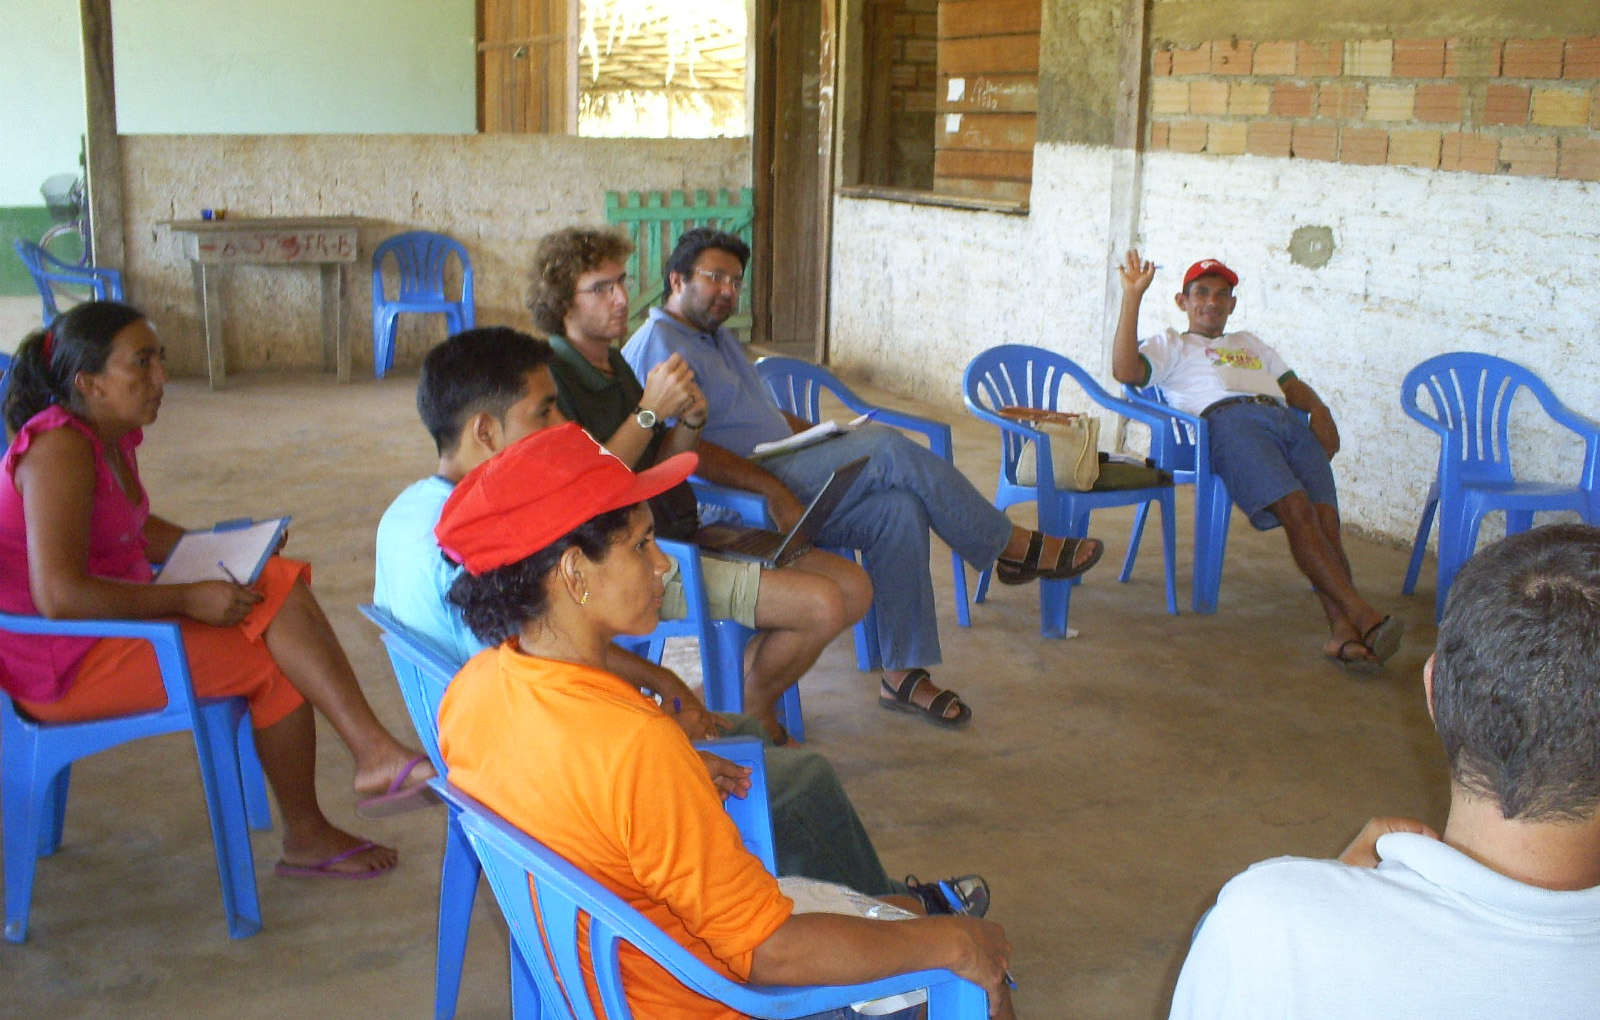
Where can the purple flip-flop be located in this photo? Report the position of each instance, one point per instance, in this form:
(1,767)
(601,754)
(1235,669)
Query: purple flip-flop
(399,798)
(328,868)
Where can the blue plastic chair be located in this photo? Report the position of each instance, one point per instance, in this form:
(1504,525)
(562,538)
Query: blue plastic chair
(5,387)
(543,896)
(421,257)
(798,387)
(722,643)
(36,769)
(1472,397)
(49,272)
(1014,375)
(1183,450)
(423,674)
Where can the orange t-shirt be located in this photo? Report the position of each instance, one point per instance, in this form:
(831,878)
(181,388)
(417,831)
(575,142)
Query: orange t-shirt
(591,768)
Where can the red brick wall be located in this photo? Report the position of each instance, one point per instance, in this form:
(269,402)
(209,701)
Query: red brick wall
(1492,106)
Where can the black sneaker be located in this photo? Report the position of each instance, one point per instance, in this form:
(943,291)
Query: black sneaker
(968,894)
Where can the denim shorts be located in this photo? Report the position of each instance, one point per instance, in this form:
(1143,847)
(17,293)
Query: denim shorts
(1262,454)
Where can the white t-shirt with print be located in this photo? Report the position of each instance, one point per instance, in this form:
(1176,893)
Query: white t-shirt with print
(1196,371)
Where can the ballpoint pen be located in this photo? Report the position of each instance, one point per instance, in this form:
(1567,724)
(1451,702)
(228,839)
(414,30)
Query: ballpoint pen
(229,574)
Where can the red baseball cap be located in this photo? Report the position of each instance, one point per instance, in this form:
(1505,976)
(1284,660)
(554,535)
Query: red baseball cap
(538,489)
(1210,267)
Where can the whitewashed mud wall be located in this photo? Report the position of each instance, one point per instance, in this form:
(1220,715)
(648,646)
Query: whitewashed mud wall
(1424,262)
(495,193)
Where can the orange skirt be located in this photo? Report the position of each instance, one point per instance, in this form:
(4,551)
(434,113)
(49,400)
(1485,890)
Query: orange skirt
(120,676)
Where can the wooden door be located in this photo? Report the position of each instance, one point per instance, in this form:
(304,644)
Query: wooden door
(527,72)
(794,179)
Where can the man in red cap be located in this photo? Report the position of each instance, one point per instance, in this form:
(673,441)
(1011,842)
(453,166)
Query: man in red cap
(1275,464)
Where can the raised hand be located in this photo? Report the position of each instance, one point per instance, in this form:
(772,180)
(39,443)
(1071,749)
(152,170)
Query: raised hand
(1136,273)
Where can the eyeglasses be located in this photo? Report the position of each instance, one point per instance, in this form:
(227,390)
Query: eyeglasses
(719,279)
(604,288)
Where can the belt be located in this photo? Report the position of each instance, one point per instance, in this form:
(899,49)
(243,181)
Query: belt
(1252,398)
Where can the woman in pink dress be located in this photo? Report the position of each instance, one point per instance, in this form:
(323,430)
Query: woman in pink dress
(76,542)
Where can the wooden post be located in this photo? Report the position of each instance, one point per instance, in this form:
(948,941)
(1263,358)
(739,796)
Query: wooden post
(103,158)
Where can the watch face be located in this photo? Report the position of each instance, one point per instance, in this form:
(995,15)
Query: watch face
(646,418)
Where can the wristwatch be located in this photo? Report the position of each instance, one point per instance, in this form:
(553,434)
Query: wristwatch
(646,418)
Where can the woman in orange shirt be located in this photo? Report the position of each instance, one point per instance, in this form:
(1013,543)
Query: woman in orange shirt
(560,558)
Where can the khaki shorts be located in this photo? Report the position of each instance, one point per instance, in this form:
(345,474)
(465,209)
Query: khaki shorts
(731,589)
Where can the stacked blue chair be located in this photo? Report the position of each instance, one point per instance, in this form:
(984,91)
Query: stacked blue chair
(423,675)
(49,272)
(547,932)
(1472,396)
(1015,375)
(36,769)
(422,258)
(798,387)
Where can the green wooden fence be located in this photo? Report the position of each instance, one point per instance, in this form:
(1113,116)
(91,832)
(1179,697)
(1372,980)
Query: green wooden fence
(653,221)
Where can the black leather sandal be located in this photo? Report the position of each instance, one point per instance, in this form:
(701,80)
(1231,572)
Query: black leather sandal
(899,699)
(1008,571)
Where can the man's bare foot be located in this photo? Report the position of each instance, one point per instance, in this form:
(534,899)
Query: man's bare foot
(331,852)
(775,730)
(1350,653)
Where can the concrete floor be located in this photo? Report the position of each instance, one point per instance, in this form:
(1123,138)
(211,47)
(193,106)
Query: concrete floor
(1107,786)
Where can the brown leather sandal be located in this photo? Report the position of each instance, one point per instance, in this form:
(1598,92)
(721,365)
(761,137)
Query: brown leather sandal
(1008,571)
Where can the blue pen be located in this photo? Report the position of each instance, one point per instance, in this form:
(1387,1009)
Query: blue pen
(229,574)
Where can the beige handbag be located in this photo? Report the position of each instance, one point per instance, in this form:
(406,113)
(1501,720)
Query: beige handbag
(1074,447)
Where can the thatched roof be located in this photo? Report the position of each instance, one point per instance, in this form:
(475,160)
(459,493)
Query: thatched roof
(641,46)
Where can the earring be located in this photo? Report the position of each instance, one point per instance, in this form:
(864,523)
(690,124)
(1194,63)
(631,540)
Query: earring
(585,600)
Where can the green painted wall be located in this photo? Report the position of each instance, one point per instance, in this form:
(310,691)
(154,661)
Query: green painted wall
(41,98)
(295,67)
(19,221)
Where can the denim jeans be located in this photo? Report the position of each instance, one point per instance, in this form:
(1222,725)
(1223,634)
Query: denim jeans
(904,491)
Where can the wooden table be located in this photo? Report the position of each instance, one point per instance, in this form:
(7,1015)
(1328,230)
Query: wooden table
(328,242)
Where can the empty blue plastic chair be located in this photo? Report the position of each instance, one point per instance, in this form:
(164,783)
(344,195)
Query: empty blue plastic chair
(1015,375)
(798,387)
(422,258)
(49,272)
(547,932)
(1472,396)
(36,769)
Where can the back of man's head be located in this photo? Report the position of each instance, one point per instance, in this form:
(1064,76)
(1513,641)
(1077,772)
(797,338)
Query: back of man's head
(479,370)
(558,260)
(691,245)
(1516,675)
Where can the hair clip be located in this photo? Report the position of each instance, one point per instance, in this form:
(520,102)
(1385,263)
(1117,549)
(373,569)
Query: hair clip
(49,344)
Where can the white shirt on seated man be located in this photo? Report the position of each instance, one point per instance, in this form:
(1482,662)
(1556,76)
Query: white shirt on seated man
(1499,917)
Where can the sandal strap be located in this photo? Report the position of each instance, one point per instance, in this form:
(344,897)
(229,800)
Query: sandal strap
(908,684)
(941,701)
(1030,559)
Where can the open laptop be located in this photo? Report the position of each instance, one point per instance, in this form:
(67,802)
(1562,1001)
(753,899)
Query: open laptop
(769,548)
